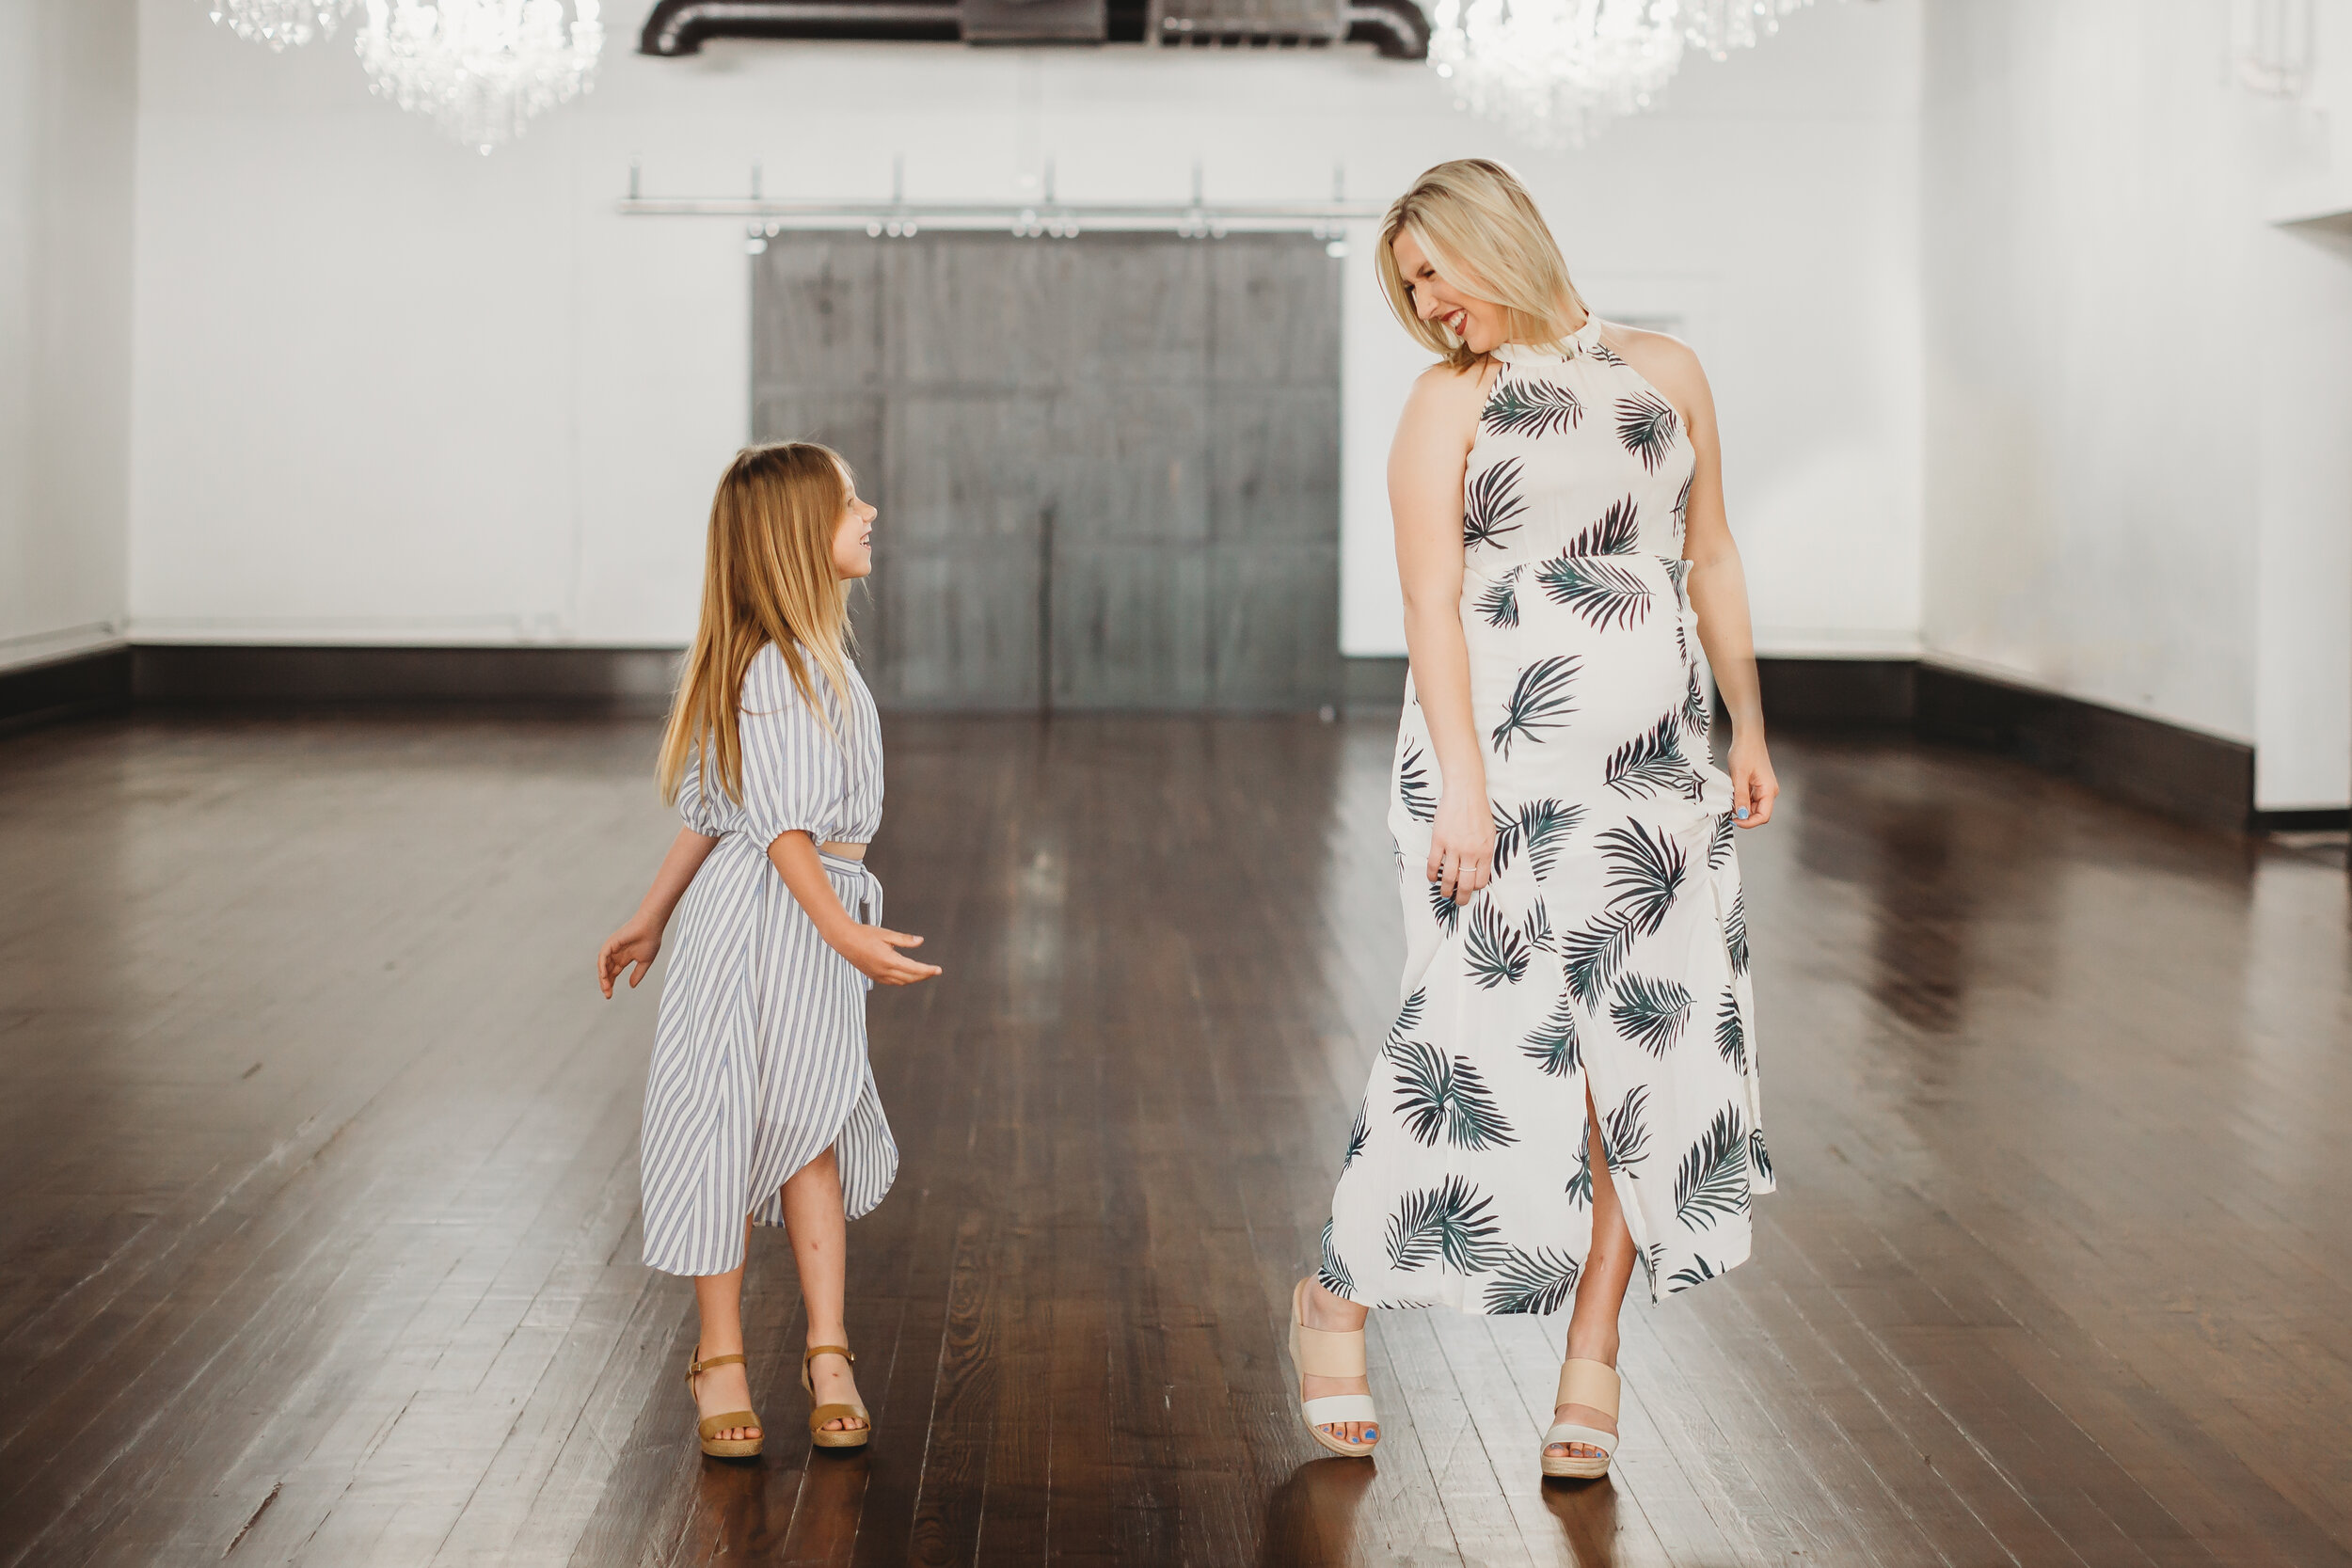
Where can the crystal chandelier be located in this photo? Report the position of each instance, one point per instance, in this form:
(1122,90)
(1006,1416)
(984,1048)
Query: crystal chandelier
(481,67)
(1556,70)
(281,24)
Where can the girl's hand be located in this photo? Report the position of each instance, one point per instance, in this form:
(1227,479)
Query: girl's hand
(636,942)
(874,951)
(1753,787)
(1462,844)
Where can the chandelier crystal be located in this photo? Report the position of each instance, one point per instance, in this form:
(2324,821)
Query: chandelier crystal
(481,67)
(281,24)
(1555,72)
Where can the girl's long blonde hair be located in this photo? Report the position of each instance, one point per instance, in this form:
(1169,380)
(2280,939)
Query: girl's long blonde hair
(768,576)
(1480,229)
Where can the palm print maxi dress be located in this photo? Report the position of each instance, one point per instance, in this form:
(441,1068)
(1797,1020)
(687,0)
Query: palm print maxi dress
(1611,947)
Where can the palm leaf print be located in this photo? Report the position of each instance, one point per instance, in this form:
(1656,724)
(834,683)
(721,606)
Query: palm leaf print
(1546,823)
(1624,1141)
(1539,929)
(1699,1273)
(1332,1272)
(1359,1133)
(1758,1156)
(1698,712)
(1719,843)
(1590,955)
(1653,1258)
(1649,763)
(1713,1180)
(1580,1184)
(1447,913)
(1538,1281)
(1682,504)
(1617,532)
(1731,1035)
(1408,1015)
(1736,933)
(1649,1012)
(1412,785)
(1496,952)
(1553,1045)
(1490,502)
(1532,408)
(1508,837)
(1500,603)
(1603,593)
(1648,428)
(1647,873)
(1539,701)
(1444,1096)
(1603,353)
(1448,1221)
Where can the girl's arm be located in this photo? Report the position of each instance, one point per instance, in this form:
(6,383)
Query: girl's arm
(1717,586)
(871,948)
(1425,469)
(639,942)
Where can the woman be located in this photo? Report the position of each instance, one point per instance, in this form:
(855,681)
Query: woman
(760,1105)
(1568,1085)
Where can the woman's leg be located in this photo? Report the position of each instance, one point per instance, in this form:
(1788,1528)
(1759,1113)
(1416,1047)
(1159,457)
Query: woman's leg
(1599,1290)
(1339,1315)
(820,1237)
(718,1298)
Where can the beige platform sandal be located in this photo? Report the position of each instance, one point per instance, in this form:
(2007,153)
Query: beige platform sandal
(724,1447)
(1328,1353)
(855,1437)
(1586,1383)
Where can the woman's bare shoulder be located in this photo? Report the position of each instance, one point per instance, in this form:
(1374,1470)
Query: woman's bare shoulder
(1666,362)
(1446,395)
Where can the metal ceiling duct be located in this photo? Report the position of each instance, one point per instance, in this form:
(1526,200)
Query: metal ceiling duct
(1397,28)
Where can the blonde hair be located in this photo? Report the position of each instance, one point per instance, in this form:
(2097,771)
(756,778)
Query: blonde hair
(1480,229)
(768,577)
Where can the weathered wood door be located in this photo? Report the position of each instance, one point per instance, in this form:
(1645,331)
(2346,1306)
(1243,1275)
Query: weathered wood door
(1108,468)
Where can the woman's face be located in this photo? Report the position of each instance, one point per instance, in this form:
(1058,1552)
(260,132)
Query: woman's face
(853,539)
(1480,323)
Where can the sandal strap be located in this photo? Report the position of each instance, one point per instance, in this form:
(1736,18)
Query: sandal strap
(725,1418)
(1331,1353)
(824,1413)
(695,1369)
(1591,1437)
(1334,1408)
(1589,1383)
(816,1351)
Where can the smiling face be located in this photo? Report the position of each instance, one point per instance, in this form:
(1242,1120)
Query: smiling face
(854,537)
(1479,325)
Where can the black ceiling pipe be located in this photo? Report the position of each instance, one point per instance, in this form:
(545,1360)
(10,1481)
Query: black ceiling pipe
(1397,28)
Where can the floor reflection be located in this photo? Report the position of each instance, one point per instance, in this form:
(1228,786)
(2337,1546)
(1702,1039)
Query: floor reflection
(1587,1511)
(1311,1518)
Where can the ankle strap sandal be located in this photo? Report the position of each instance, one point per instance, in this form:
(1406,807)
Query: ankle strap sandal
(1586,1383)
(705,1429)
(855,1437)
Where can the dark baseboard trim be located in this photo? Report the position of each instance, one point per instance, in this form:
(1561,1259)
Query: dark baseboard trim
(67,688)
(2319,820)
(182,674)
(1838,691)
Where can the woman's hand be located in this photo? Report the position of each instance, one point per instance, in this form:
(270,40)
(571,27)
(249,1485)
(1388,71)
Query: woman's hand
(874,951)
(1753,787)
(637,942)
(1462,844)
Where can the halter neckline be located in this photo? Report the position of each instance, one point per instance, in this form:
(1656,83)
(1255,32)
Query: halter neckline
(1583,339)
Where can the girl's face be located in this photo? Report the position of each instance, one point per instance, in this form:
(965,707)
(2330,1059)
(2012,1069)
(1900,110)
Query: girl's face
(1480,323)
(853,539)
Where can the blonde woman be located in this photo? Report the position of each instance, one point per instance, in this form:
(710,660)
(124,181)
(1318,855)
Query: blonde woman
(761,1106)
(1568,1084)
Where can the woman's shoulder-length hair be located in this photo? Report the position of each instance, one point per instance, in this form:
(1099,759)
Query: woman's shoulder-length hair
(1480,230)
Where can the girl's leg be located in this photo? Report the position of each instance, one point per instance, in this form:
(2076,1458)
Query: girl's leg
(1327,1311)
(1599,1290)
(718,1298)
(821,1236)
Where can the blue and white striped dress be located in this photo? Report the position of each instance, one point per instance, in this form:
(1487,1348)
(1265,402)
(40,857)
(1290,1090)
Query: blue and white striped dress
(759,1051)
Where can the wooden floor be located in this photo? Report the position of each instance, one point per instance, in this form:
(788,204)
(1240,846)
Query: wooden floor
(322,1243)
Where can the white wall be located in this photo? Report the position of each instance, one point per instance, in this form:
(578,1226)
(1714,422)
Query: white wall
(388,390)
(68,102)
(2137,488)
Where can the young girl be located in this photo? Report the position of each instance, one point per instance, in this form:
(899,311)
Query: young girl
(760,1107)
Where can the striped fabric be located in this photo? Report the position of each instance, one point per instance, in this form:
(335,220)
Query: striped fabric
(759,1051)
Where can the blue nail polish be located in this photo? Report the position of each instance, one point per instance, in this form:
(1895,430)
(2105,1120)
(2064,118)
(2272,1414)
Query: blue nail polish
(1741,811)
(1371,1433)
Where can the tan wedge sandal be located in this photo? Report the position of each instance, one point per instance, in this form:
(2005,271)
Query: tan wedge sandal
(716,1446)
(1586,1383)
(856,1436)
(1329,1352)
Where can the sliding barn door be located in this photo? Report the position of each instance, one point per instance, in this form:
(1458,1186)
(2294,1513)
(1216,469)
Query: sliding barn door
(1108,468)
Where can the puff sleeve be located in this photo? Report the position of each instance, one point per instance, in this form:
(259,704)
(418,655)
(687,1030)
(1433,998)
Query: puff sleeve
(794,774)
(694,809)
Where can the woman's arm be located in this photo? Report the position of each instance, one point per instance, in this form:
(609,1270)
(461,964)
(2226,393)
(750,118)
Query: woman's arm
(639,942)
(1425,468)
(873,949)
(1718,587)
